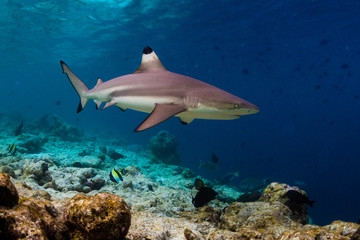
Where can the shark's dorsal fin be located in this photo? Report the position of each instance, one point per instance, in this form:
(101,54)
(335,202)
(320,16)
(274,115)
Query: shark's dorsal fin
(150,62)
(160,113)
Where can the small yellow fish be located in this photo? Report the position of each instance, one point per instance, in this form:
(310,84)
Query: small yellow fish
(115,175)
(12,149)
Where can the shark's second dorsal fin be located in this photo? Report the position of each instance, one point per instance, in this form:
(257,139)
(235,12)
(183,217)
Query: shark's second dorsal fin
(150,62)
(99,81)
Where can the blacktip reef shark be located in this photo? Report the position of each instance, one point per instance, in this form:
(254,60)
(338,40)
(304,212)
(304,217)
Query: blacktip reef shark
(163,94)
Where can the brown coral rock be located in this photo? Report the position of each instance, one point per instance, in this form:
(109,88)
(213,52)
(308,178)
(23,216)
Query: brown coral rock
(22,222)
(276,192)
(50,219)
(334,231)
(208,214)
(8,195)
(103,216)
(255,219)
(32,219)
(190,235)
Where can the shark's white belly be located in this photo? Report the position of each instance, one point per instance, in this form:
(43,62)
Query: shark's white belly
(147,104)
(141,103)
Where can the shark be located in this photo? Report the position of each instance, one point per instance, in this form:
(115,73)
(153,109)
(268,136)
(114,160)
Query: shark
(163,94)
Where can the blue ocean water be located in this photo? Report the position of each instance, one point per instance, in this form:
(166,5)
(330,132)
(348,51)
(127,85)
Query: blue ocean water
(298,60)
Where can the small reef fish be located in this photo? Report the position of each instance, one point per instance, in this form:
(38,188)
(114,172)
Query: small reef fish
(12,149)
(164,94)
(204,196)
(116,176)
(250,197)
(298,197)
(199,183)
(210,165)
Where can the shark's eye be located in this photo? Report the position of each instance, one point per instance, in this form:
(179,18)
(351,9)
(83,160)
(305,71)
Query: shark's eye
(236,106)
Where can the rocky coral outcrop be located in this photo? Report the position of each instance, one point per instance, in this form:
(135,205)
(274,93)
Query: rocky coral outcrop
(260,217)
(336,230)
(55,126)
(31,143)
(277,192)
(163,146)
(103,216)
(8,195)
(32,219)
(38,170)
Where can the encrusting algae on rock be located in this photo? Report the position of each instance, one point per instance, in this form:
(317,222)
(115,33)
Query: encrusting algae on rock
(103,216)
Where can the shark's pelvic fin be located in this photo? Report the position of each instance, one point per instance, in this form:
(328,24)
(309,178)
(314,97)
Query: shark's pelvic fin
(79,86)
(98,103)
(160,113)
(185,120)
(109,104)
(150,62)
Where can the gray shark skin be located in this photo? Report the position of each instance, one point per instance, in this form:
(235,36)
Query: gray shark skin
(163,94)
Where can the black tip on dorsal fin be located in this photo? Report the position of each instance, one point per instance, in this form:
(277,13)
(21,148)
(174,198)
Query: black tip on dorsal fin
(149,62)
(147,50)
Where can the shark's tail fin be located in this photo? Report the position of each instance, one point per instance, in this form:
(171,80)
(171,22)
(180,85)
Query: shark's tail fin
(79,86)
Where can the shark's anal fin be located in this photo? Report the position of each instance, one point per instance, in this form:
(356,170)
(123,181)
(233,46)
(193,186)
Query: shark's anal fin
(185,120)
(160,113)
(122,109)
(111,103)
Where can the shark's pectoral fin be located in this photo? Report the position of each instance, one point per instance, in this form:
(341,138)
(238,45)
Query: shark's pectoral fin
(185,120)
(160,113)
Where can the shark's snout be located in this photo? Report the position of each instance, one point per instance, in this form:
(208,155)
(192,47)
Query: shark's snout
(248,108)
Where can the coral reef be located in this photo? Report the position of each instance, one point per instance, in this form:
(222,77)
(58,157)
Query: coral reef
(163,146)
(62,190)
(107,216)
